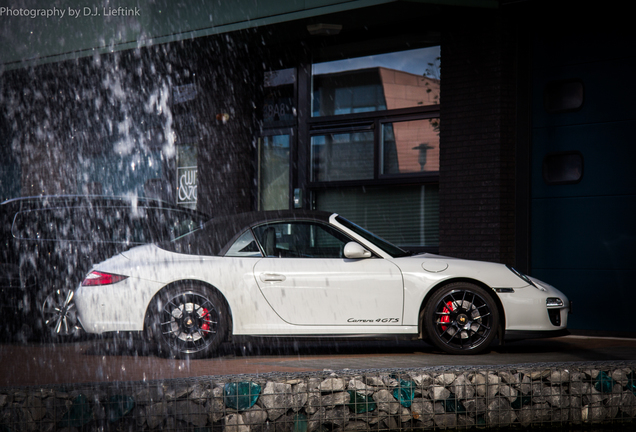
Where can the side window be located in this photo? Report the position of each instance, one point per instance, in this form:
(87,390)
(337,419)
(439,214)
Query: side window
(300,240)
(244,246)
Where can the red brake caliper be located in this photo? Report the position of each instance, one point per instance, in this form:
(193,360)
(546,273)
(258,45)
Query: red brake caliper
(205,327)
(446,318)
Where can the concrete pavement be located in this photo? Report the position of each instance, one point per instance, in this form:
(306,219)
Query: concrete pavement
(128,360)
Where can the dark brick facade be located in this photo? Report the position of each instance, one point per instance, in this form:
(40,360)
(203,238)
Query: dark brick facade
(477,150)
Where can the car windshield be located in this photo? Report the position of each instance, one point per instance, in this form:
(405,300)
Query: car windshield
(389,248)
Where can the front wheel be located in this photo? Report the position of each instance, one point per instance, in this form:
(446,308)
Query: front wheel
(188,321)
(461,318)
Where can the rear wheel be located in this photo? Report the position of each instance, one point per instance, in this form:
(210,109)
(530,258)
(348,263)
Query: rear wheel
(188,321)
(461,318)
(59,316)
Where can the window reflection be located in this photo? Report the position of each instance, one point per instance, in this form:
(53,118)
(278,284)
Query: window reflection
(410,146)
(396,80)
(342,156)
(274,172)
(279,108)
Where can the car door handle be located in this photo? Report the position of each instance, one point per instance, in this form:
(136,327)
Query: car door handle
(272,277)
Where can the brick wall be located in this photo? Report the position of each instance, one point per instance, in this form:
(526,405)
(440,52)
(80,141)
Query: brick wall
(477,160)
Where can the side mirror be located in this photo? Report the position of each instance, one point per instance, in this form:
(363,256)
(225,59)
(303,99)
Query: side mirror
(353,250)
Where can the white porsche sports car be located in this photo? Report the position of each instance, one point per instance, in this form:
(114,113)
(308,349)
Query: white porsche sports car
(305,274)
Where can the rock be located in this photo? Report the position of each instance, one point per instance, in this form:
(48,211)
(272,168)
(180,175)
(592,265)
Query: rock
(155,414)
(316,419)
(313,403)
(149,395)
(579,388)
(463,388)
(509,377)
(235,423)
(593,397)
(276,398)
(36,409)
(254,416)
(191,412)
(422,409)
(386,402)
(439,393)
(557,397)
(331,400)
(445,421)
(594,412)
(508,392)
(628,403)
(360,387)
(558,377)
(215,405)
(405,414)
(198,394)
(621,376)
(422,380)
(299,396)
(539,375)
(374,381)
(486,386)
(500,413)
(444,379)
(332,385)
(526,385)
(475,406)
(338,416)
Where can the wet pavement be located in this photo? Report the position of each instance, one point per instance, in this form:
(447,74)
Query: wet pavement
(130,360)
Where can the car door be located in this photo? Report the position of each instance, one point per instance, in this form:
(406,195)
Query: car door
(307,281)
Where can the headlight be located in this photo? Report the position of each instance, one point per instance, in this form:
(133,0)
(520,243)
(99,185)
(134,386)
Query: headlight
(554,302)
(525,278)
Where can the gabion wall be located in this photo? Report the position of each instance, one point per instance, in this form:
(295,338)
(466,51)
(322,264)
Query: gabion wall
(406,399)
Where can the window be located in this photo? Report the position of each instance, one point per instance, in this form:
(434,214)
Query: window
(402,79)
(563,96)
(410,147)
(300,240)
(563,168)
(273,172)
(374,143)
(342,156)
(407,215)
(244,246)
(276,141)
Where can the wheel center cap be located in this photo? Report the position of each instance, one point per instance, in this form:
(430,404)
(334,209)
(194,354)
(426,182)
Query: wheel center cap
(189,322)
(462,319)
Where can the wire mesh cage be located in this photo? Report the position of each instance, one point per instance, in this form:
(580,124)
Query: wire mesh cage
(365,400)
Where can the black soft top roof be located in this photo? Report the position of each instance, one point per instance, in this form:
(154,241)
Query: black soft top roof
(220,232)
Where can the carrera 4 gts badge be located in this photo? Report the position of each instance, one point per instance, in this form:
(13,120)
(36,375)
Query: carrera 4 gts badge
(377,320)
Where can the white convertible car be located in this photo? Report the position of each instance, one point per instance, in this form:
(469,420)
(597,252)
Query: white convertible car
(305,274)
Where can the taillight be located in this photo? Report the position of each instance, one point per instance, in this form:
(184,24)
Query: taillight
(96,278)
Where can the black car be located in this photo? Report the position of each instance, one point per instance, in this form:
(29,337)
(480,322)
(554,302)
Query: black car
(48,243)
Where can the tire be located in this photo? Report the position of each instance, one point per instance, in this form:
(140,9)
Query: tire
(461,318)
(59,316)
(188,321)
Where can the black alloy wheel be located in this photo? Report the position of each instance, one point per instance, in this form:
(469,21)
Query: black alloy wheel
(189,323)
(461,318)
